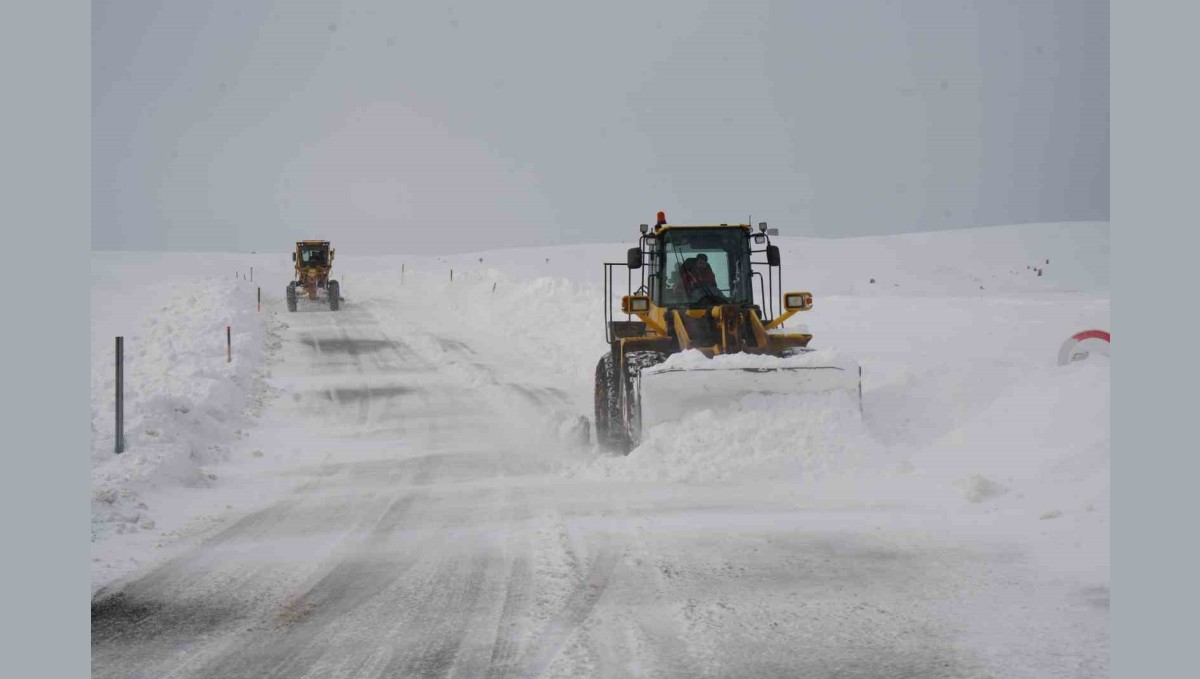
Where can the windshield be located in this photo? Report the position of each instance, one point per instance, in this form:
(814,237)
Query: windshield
(312,255)
(703,267)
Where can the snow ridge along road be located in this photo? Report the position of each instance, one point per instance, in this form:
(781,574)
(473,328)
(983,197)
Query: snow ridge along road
(410,501)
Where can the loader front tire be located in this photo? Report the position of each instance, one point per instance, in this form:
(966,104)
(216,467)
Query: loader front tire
(332,289)
(291,297)
(609,431)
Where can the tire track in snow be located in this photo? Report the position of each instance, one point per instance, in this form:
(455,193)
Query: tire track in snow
(505,649)
(576,610)
(199,602)
(294,639)
(445,620)
(253,527)
(455,634)
(348,336)
(373,613)
(499,658)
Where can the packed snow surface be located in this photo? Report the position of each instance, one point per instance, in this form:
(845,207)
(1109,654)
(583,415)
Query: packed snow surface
(406,487)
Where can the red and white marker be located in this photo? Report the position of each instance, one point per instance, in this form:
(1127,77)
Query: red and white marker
(1083,344)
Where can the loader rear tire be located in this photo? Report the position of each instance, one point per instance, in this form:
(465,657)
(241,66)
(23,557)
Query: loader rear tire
(332,289)
(291,297)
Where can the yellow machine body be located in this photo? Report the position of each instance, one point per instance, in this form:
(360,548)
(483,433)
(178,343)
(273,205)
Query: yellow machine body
(313,262)
(659,325)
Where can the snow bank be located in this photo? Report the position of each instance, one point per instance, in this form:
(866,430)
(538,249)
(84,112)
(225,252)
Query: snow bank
(184,403)
(1042,445)
(988,261)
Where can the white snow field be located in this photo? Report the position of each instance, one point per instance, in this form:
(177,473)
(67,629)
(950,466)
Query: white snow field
(400,488)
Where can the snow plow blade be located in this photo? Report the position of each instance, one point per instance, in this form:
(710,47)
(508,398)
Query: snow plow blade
(690,383)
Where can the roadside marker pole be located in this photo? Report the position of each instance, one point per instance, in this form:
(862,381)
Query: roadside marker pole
(259,298)
(451,275)
(120,437)
(251,274)
(401,274)
(228,346)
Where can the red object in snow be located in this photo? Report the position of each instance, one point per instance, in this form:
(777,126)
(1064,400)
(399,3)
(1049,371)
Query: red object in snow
(1082,344)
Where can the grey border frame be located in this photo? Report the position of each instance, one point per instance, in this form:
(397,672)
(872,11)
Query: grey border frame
(45,54)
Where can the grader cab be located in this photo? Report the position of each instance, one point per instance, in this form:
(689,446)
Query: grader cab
(313,262)
(702,329)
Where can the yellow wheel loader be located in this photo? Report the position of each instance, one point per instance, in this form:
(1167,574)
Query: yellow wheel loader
(701,331)
(313,261)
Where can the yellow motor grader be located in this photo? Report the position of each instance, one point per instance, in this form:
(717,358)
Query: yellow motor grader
(313,261)
(699,335)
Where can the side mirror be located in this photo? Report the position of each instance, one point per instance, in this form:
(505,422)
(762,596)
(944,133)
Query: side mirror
(332,253)
(773,255)
(634,258)
(293,256)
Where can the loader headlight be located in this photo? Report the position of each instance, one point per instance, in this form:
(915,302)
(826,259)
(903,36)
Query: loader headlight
(797,301)
(635,304)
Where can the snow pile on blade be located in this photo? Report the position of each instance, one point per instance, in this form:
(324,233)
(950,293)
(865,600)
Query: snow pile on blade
(689,382)
(804,438)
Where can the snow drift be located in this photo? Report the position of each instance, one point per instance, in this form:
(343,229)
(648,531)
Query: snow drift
(964,406)
(184,402)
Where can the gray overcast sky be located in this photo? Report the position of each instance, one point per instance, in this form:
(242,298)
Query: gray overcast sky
(454,126)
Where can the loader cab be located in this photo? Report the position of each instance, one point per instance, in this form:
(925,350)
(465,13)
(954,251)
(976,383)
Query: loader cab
(693,269)
(698,267)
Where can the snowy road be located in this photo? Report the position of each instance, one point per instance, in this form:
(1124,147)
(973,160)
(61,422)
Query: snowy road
(437,536)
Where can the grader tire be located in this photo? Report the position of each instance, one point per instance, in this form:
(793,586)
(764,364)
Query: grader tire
(331,289)
(291,297)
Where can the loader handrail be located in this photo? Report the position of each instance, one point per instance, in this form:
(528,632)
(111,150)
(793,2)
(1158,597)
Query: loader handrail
(774,288)
(608,287)
(772,293)
(760,293)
